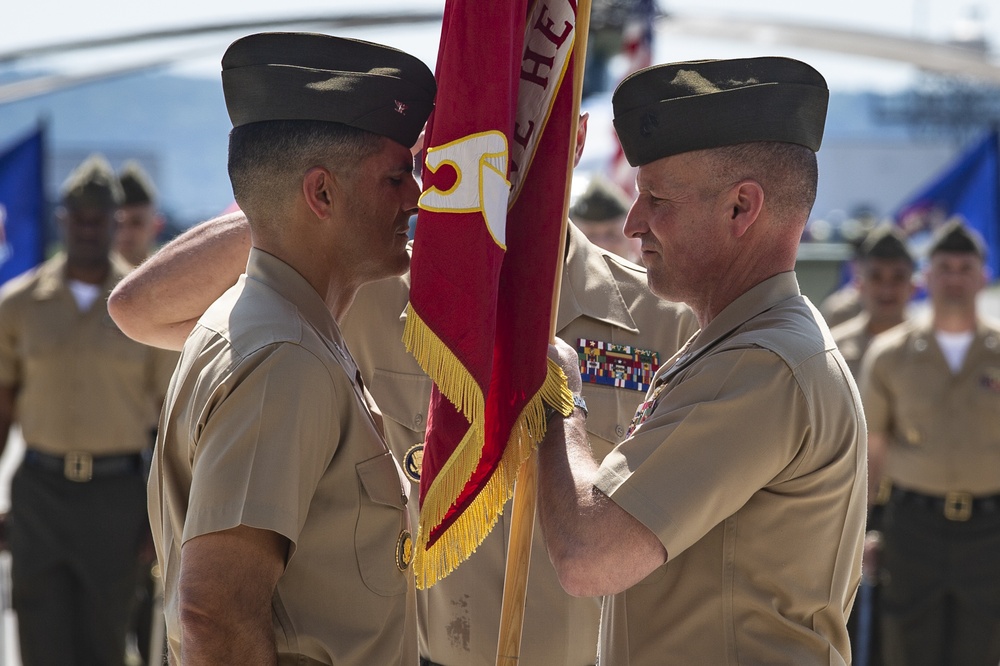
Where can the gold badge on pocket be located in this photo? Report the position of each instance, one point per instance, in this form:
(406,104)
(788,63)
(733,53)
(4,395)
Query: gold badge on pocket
(413,460)
(404,550)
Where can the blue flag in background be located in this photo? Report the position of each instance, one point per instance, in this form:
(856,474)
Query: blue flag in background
(969,187)
(22,206)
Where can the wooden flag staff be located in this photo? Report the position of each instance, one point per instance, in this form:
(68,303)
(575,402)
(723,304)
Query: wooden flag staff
(523,510)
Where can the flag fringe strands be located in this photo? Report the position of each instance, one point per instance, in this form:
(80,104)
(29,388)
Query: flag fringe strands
(481,279)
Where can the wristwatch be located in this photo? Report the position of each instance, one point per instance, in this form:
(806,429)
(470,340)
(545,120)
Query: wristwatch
(578,401)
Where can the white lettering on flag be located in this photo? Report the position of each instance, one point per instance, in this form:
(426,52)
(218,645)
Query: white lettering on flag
(481,185)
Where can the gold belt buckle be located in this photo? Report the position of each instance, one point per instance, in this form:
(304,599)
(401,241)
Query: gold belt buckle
(78,466)
(958,506)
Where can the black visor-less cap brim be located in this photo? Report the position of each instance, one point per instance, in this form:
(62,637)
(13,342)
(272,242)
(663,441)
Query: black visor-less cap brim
(305,76)
(670,109)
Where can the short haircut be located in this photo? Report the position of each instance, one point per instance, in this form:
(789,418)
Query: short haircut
(268,159)
(788,173)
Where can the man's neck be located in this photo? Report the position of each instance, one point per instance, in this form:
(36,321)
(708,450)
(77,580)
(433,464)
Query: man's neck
(954,321)
(88,273)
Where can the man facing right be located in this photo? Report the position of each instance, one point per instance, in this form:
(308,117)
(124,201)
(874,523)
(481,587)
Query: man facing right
(278,512)
(727,529)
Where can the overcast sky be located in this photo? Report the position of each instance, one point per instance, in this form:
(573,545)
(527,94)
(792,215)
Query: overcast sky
(26,23)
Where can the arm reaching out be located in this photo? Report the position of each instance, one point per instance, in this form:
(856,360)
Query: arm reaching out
(595,546)
(160,301)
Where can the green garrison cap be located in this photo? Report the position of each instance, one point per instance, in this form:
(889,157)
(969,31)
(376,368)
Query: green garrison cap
(679,107)
(886,241)
(956,237)
(93,183)
(136,184)
(305,76)
(602,201)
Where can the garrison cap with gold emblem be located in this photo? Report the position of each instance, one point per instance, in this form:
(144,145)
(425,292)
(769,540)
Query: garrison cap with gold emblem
(957,237)
(679,107)
(92,183)
(136,184)
(306,76)
(602,201)
(886,241)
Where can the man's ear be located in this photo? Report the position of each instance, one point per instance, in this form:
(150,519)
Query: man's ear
(319,190)
(745,205)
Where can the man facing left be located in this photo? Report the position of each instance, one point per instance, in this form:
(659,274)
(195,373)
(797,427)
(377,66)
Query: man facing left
(86,398)
(278,512)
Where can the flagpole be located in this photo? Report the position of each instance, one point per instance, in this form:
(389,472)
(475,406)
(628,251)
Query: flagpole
(525,489)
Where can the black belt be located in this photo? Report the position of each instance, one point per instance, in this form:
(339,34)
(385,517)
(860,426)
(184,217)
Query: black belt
(81,466)
(424,661)
(957,506)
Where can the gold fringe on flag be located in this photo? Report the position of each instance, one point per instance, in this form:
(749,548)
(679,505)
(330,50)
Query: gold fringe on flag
(464,535)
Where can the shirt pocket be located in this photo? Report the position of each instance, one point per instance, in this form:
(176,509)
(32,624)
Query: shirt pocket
(381,526)
(609,414)
(402,397)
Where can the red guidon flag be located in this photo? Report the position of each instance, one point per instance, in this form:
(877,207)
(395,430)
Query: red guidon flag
(495,177)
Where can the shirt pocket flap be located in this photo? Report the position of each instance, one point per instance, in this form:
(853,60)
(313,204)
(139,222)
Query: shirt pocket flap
(402,397)
(381,481)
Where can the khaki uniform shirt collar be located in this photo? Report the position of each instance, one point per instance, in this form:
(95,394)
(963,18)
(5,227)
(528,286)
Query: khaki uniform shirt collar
(285,280)
(52,277)
(925,340)
(757,299)
(589,289)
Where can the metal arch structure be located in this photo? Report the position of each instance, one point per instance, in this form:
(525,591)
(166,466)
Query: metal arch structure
(930,56)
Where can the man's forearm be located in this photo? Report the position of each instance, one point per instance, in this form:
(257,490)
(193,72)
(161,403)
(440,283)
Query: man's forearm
(595,546)
(8,395)
(226,585)
(161,300)
(878,444)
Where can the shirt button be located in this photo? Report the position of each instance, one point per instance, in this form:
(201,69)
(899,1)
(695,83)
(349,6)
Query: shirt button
(619,431)
(418,419)
(920,345)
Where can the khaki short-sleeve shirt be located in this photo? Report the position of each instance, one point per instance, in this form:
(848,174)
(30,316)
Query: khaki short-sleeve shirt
(852,338)
(82,385)
(603,299)
(265,425)
(943,428)
(750,468)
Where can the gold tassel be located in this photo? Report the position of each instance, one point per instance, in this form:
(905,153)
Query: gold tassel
(473,525)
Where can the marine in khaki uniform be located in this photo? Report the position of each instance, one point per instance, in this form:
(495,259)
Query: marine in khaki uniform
(138,220)
(727,527)
(278,511)
(86,398)
(604,301)
(599,212)
(885,285)
(884,280)
(931,391)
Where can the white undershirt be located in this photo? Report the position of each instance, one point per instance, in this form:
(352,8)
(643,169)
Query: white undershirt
(84,293)
(954,346)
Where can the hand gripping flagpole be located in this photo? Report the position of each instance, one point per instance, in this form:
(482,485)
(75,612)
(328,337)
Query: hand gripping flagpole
(525,490)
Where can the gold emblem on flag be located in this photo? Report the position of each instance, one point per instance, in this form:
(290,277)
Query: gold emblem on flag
(404,550)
